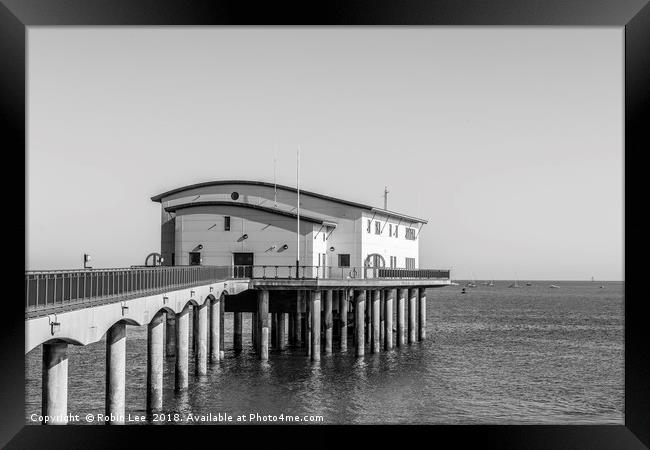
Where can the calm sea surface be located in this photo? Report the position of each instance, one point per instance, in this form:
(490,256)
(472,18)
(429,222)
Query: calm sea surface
(492,356)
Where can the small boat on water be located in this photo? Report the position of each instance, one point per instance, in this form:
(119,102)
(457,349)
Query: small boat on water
(516,283)
(464,291)
(554,286)
(529,284)
(602,287)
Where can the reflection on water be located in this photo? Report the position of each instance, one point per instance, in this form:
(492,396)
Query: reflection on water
(494,355)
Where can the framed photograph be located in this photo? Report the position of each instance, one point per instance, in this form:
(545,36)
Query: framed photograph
(408,216)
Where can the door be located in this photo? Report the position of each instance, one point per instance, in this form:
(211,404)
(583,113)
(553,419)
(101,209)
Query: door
(243,263)
(195,258)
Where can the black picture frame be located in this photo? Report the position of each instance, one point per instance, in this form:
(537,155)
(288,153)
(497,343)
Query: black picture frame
(633,15)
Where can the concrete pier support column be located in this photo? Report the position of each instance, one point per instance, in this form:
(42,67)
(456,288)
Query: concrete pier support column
(412,324)
(308,323)
(282,330)
(359,321)
(201,354)
(422,314)
(155,351)
(388,319)
(54,395)
(382,317)
(222,328)
(116,373)
(263,323)
(368,332)
(298,329)
(343,319)
(401,317)
(182,349)
(237,331)
(336,311)
(215,330)
(315,325)
(290,328)
(376,311)
(195,328)
(254,331)
(274,330)
(329,300)
(170,334)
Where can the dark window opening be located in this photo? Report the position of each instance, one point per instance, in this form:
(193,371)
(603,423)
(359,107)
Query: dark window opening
(410,234)
(195,258)
(226,223)
(173,259)
(377,227)
(344,260)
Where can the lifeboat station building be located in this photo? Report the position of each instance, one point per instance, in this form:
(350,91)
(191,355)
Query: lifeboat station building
(254,226)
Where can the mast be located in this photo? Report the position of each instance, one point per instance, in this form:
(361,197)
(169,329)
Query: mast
(385,197)
(298,209)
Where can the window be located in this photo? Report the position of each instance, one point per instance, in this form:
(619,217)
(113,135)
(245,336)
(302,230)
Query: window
(226,223)
(410,234)
(377,227)
(344,260)
(410,262)
(368,229)
(173,259)
(396,226)
(393,262)
(390,229)
(323,237)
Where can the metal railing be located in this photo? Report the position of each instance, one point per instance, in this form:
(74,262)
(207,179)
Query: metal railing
(52,288)
(315,272)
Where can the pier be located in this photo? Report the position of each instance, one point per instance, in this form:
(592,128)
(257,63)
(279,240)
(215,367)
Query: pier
(317,309)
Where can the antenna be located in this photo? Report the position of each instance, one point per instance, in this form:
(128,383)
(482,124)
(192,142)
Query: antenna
(385,197)
(298,208)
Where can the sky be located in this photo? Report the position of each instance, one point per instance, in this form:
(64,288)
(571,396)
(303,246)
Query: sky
(508,140)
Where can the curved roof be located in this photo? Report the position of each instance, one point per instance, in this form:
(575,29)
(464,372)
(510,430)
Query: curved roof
(280,212)
(159,197)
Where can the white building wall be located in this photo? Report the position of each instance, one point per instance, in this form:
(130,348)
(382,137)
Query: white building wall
(205,226)
(387,245)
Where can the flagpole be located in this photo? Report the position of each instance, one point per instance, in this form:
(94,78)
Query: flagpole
(298,208)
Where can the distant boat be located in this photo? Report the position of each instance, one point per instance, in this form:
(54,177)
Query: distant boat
(491,283)
(471,284)
(602,287)
(554,286)
(464,291)
(529,284)
(515,284)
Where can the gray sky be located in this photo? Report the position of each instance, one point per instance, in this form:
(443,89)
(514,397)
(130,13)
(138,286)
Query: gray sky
(509,140)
